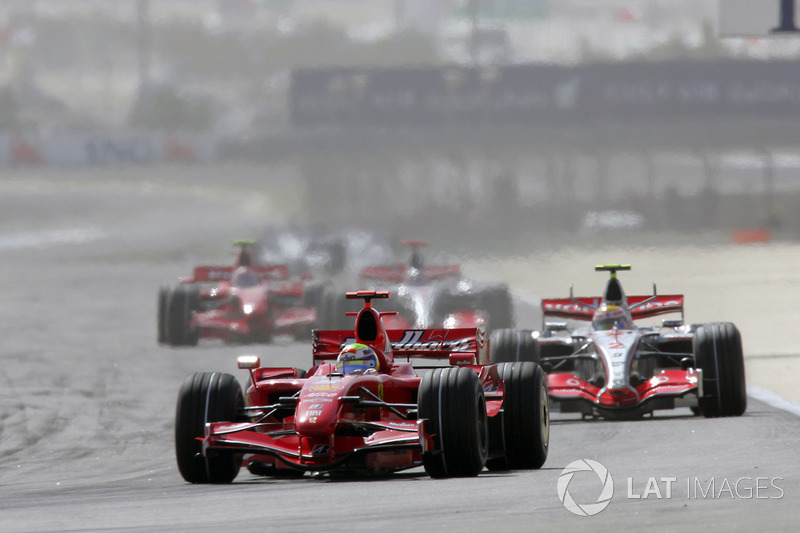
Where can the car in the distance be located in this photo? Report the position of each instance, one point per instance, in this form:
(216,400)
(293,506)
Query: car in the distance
(245,302)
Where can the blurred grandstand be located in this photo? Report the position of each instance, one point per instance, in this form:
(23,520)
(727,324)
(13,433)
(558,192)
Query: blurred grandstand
(224,63)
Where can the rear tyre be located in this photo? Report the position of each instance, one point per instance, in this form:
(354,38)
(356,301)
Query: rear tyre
(206,397)
(447,302)
(161,325)
(497,301)
(338,307)
(337,257)
(512,345)
(718,352)
(314,295)
(526,417)
(325,315)
(452,403)
(182,303)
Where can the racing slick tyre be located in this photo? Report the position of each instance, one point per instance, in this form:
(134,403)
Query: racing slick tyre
(163,298)
(526,417)
(329,306)
(182,302)
(314,297)
(337,258)
(511,345)
(314,294)
(718,352)
(497,301)
(453,405)
(206,397)
(338,307)
(447,302)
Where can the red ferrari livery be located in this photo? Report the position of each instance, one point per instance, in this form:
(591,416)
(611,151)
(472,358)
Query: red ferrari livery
(246,302)
(453,420)
(613,368)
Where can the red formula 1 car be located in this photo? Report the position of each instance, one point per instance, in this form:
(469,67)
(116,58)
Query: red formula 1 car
(437,296)
(246,302)
(371,418)
(612,368)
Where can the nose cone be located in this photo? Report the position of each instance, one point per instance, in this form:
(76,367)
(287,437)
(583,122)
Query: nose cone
(319,406)
(252,300)
(615,397)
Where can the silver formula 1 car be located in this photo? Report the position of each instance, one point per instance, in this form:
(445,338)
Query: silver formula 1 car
(602,364)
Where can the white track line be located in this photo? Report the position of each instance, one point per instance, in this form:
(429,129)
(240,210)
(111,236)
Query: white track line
(774,399)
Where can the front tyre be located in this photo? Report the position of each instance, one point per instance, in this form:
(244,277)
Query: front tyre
(718,352)
(183,301)
(206,397)
(452,403)
(497,301)
(161,325)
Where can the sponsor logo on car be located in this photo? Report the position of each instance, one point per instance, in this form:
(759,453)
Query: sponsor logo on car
(411,340)
(320,449)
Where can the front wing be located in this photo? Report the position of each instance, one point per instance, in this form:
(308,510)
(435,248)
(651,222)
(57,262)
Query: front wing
(666,390)
(393,444)
(219,325)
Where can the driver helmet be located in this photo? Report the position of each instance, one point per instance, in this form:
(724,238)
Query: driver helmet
(608,317)
(416,261)
(244,277)
(357,358)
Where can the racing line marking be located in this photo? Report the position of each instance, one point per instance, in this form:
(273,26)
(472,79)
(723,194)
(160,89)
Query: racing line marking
(774,399)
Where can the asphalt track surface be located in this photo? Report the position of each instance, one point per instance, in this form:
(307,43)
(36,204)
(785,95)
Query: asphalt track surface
(87,398)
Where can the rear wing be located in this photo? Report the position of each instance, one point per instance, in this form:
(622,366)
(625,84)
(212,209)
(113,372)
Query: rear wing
(395,273)
(440,272)
(640,306)
(417,343)
(214,274)
(399,273)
